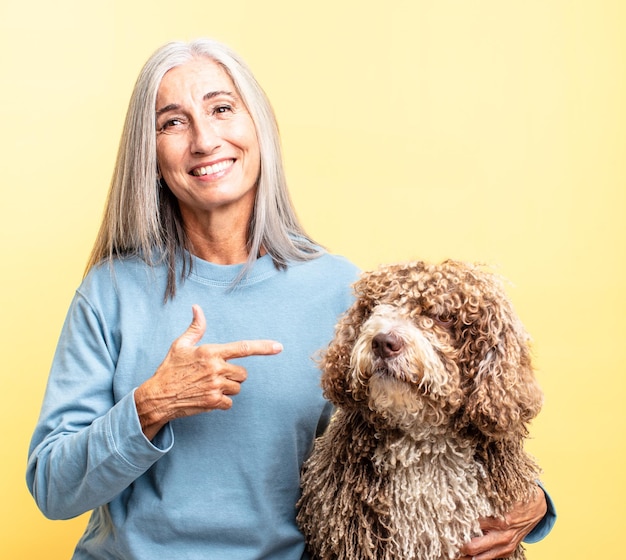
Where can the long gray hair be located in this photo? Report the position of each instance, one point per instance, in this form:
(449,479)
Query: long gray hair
(143,219)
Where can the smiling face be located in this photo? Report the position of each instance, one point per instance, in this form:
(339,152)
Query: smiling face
(207,147)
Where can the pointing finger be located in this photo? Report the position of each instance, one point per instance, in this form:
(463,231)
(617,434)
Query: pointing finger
(243,348)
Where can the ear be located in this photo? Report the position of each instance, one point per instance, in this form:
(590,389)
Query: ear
(503,394)
(335,362)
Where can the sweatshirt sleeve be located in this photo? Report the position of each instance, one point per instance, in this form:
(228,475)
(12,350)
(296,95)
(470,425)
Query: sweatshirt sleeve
(86,447)
(542,528)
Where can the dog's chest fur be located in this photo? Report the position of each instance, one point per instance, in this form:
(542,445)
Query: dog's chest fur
(387,495)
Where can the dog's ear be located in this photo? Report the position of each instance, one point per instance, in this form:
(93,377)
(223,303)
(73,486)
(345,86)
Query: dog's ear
(335,362)
(502,392)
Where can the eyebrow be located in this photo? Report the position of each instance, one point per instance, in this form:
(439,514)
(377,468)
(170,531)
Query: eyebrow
(206,97)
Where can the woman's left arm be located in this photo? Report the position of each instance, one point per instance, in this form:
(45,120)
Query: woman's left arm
(528,521)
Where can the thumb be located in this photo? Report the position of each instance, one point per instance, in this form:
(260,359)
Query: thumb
(196,329)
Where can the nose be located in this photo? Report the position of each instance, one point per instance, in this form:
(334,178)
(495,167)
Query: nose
(204,139)
(387,345)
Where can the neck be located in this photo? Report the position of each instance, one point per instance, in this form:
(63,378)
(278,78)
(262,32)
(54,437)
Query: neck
(219,249)
(220,238)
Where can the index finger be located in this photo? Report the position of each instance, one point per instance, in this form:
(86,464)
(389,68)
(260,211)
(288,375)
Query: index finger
(476,546)
(243,348)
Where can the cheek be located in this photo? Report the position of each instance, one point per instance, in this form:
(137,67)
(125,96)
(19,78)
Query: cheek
(244,135)
(168,153)
(253,157)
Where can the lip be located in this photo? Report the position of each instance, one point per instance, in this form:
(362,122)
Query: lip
(213,169)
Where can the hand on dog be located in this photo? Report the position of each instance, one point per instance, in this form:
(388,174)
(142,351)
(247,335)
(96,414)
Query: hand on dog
(502,536)
(194,379)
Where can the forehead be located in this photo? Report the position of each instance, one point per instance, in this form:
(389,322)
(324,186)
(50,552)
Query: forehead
(192,81)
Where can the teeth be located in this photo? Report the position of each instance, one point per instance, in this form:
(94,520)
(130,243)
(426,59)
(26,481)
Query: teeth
(215,168)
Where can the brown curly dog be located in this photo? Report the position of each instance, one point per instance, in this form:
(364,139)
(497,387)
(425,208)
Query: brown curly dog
(431,374)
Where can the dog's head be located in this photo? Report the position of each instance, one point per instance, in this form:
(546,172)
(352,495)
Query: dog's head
(433,344)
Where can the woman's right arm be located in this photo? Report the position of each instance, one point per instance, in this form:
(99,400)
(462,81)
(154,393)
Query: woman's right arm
(86,447)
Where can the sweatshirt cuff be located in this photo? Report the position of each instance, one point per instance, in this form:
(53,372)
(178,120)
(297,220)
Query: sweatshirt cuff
(128,441)
(542,528)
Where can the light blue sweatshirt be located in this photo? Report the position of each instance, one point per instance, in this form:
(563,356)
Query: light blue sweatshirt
(220,485)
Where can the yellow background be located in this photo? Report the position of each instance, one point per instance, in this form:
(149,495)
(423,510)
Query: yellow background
(482,130)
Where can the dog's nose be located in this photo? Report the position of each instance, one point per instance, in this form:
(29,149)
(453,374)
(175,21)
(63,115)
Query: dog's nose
(387,345)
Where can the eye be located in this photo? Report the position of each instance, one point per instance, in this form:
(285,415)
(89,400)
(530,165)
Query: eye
(445,321)
(222,109)
(172,124)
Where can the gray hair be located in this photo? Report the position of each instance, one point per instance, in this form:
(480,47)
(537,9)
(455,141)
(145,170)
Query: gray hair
(142,219)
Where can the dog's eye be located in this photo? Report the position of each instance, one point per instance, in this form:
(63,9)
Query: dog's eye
(445,321)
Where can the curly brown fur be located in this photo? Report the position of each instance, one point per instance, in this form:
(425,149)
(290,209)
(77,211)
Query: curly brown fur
(431,373)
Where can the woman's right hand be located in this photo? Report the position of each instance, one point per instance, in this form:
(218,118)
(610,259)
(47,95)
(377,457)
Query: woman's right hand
(194,379)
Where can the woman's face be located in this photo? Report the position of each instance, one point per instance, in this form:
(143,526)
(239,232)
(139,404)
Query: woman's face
(207,148)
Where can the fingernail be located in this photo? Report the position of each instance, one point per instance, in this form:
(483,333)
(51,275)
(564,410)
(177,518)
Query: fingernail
(277,347)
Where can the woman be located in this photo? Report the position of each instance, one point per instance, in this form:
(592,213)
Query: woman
(198,219)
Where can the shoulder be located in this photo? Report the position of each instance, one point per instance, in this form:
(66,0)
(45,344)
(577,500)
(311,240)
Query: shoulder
(125,277)
(330,262)
(332,270)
